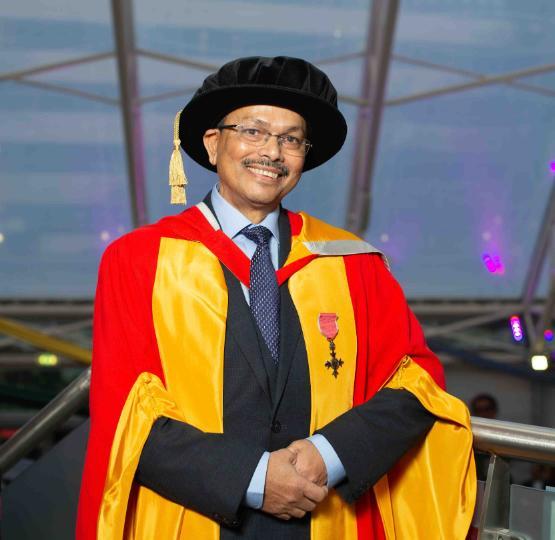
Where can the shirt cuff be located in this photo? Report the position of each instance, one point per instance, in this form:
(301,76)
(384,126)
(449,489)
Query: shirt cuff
(254,497)
(336,471)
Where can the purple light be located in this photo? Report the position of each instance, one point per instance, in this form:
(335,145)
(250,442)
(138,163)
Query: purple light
(516,328)
(488,261)
(548,335)
(493,263)
(552,166)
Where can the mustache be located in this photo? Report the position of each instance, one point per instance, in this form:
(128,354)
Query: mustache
(283,170)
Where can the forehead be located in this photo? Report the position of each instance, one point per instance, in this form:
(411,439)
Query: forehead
(276,117)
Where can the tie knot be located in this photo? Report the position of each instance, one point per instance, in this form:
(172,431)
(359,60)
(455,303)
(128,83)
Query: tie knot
(259,234)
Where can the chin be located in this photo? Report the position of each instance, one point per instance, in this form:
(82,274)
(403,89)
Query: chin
(264,202)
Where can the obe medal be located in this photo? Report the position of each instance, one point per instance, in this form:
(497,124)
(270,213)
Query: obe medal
(327,323)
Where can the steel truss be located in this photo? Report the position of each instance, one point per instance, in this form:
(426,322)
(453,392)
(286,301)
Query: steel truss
(454,317)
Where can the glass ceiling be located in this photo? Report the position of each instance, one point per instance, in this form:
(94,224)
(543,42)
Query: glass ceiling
(459,176)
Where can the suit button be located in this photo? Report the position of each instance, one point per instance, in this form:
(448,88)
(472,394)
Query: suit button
(276,426)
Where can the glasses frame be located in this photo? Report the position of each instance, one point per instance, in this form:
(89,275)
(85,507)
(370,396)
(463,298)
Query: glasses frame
(236,127)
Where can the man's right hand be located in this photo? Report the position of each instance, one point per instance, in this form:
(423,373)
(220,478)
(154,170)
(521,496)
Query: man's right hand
(286,493)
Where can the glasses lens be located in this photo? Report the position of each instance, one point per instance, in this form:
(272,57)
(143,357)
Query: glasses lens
(258,136)
(252,134)
(298,149)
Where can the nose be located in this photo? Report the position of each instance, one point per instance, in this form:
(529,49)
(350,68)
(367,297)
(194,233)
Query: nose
(271,149)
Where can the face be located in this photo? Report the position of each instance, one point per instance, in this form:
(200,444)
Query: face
(255,179)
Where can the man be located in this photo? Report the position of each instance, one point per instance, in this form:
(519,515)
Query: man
(257,372)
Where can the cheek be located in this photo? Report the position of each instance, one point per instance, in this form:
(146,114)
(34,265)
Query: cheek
(296,169)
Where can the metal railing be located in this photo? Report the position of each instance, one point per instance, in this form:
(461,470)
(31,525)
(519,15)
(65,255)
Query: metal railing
(46,421)
(513,440)
(498,438)
(508,439)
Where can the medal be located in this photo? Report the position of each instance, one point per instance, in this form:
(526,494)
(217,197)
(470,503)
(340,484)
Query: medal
(327,323)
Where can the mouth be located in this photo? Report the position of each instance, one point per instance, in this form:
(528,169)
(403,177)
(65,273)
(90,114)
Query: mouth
(268,169)
(264,172)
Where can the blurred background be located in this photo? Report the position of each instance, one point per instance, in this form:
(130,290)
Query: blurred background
(448,168)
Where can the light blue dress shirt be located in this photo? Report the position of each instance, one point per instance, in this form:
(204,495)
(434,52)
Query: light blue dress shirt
(232,223)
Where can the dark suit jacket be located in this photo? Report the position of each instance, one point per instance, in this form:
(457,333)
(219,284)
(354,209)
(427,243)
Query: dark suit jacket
(266,408)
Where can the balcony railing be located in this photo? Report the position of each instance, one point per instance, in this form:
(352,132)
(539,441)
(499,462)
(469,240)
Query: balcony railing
(498,503)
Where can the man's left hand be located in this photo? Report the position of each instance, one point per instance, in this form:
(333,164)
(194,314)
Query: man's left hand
(309,462)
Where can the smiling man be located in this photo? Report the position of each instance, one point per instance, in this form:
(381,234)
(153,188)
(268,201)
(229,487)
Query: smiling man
(256,372)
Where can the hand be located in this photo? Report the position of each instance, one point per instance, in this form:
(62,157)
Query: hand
(309,462)
(286,493)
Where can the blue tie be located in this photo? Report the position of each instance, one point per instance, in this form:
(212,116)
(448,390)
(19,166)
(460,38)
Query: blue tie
(264,290)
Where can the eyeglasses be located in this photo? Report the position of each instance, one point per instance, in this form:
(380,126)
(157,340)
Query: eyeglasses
(258,136)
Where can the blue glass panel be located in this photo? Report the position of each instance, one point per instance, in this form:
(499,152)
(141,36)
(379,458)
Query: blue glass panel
(406,79)
(547,81)
(98,78)
(63,194)
(228,30)
(460,177)
(490,37)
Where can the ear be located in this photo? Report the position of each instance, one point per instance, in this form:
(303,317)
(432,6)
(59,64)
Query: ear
(210,140)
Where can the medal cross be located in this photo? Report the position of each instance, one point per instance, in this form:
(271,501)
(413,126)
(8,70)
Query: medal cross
(333,363)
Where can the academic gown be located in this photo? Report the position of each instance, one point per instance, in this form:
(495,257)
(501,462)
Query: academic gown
(159,285)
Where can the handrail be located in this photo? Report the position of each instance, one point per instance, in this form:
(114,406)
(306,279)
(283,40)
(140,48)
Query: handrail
(46,421)
(509,439)
(513,440)
(44,341)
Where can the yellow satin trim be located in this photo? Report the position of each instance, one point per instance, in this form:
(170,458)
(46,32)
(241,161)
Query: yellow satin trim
(431,492)
(330,397)
(314,230)
(120,516)
(189,308)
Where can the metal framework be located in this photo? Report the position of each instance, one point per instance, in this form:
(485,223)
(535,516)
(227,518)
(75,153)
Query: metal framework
(122,13)
(455,317)
(376,63)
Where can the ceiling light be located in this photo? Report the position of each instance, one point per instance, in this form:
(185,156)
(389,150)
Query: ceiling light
(539,362)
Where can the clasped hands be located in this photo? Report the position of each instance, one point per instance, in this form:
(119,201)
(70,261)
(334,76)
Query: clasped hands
(295,480)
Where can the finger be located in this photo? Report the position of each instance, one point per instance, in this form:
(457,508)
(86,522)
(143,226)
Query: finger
(285,517)
(297,513)
(306,504)
(315,493)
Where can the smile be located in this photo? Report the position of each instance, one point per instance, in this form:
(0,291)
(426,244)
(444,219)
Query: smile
(263,172)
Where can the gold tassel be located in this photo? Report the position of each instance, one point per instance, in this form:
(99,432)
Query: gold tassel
(178,180)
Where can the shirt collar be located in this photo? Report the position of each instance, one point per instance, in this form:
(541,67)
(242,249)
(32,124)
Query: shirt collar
(233,222)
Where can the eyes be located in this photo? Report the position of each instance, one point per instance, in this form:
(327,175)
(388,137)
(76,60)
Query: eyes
(252,131)
(290,139)
(259,134)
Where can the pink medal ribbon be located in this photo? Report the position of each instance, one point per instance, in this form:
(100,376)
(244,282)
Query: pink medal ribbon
(327,323)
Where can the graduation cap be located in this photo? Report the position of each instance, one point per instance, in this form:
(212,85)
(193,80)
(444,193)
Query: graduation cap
(291,83)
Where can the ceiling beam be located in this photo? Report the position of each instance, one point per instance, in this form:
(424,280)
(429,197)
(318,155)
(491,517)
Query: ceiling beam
(340,58)
(169,95)
(56,65)
(65,90)
(172,59)
(543,241)
(470,322)
(471,74)
(381,30)
(461,87)
(124,38)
